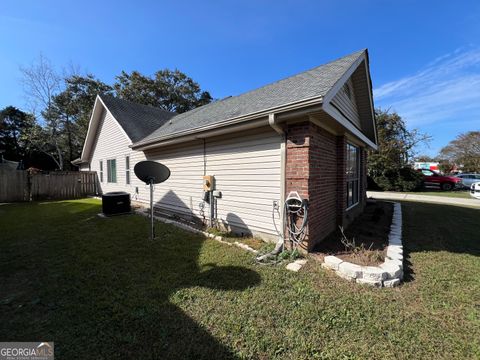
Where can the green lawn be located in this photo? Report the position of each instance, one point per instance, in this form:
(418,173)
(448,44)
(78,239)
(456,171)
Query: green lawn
(101,290)
(464,194)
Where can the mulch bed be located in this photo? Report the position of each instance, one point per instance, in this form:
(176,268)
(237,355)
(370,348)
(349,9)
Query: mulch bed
(367,235)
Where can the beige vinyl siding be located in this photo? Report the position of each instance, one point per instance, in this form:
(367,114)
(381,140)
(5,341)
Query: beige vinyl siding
(347,105)
(247,171)
(246,167)
(183,191)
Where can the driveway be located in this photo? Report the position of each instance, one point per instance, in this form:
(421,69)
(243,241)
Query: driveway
(423,198)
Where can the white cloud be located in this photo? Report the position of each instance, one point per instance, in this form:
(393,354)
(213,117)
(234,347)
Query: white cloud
(444,91)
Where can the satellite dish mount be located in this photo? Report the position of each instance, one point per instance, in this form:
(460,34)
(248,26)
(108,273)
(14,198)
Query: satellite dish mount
(151,172)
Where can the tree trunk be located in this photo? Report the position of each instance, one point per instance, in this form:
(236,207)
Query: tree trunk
(60,157)
(69,136)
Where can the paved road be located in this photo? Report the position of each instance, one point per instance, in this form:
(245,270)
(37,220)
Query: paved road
(424,198)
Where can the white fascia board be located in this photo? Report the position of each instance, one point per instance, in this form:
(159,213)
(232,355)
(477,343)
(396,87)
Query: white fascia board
(329,109)
(206,134)
(228,125)
(93,128)
(116,121)
(370,95)
(92,122)
(232,121)
(343,79)
(337,115)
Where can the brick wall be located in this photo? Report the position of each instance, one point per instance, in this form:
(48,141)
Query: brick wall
(322,184)
(297,168)
(315,168)
(341,178)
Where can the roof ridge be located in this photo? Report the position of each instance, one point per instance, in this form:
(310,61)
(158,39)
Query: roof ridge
(233,97)
(308,84)
(116,98)
(359,52)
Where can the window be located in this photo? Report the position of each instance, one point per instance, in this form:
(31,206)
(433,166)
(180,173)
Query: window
(112,171)
(352,174)
(101,171)
(127,170)
(427,172)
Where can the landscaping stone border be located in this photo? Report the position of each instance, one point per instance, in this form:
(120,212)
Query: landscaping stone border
(198,231)
(388,274)
(296,265)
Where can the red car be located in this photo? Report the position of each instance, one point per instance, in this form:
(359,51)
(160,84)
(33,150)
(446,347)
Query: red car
(445,182)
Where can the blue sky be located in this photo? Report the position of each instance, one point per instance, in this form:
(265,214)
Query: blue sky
(424,55)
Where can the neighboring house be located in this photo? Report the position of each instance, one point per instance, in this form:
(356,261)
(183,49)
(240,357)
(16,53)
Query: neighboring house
(8,165)
(307,133)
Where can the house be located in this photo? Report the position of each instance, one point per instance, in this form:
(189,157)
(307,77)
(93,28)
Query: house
(307,133)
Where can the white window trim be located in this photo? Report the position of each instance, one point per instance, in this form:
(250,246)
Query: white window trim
(358,179)
(100,170)
(108,170)
(127,170)
(352,206)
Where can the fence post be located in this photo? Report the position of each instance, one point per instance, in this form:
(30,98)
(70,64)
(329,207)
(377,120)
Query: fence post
(29,186)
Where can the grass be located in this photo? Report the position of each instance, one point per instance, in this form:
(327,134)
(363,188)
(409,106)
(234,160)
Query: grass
(100,289)
(463,194)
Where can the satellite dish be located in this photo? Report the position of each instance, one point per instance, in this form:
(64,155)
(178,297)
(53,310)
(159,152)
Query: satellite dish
(151,172)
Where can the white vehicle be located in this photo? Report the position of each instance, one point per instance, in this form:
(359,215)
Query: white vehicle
(475,190)
(468,179)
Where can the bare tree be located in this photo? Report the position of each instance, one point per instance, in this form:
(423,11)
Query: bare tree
(41,84)
(464,151)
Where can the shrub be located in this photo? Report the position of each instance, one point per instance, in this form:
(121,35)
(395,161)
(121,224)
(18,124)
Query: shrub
(402,179)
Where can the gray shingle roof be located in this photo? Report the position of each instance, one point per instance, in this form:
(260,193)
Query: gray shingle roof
(137,120)
(312,83)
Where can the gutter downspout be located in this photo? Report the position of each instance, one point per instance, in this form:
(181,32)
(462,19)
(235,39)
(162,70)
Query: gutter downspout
(281,237)
(272,121)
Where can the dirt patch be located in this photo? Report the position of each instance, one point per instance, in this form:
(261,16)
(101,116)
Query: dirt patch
(253,242)
(364,242)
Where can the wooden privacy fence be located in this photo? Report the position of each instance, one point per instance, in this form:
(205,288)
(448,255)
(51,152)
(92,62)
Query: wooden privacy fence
(19,185)
(62,185)
(13,185)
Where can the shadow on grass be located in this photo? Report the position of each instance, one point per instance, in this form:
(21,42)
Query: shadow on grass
(408,272)
(103,289)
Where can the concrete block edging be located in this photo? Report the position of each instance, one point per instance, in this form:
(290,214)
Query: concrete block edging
(388,274)
(198,231)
